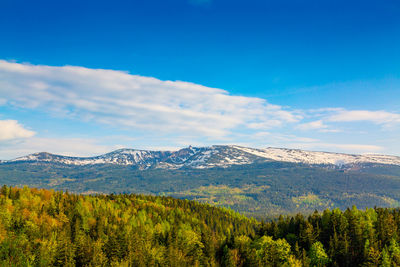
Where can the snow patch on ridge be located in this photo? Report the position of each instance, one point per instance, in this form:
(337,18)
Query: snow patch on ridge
(315,157)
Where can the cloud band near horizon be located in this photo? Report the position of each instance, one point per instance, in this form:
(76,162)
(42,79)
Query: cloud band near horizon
(161,108)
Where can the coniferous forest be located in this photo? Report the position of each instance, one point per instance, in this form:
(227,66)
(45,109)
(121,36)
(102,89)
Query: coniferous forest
(52,228)
(262,191)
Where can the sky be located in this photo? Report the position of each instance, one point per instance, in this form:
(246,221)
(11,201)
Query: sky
(83,78)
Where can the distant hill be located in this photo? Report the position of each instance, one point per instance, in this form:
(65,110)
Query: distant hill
(256,182)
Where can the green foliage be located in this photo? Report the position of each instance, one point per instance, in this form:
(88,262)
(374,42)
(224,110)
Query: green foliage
(341,238)
(318,255)
(272,252)
(47,228)
(50,228)
(257,190)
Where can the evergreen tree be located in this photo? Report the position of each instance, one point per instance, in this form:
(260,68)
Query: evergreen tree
(318,255)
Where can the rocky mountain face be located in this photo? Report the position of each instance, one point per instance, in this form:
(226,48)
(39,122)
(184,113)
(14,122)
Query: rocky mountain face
(209,157)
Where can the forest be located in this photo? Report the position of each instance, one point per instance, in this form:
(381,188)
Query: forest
(255,190)
(40,227)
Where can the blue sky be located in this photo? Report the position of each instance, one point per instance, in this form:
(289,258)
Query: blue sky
(86,77)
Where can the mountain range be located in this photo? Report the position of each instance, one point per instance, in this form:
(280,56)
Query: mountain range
(212,156)
(254,181)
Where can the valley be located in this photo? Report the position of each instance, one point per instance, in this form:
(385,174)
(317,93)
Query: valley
(246,180)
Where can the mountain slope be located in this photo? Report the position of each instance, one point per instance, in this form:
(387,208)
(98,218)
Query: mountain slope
(258,189)
(213,156)
(256,182)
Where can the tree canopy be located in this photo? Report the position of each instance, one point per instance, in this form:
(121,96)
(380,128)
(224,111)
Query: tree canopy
(41,227)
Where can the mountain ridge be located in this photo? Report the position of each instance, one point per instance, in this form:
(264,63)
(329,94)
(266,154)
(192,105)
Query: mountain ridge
(209,157)
(252,181)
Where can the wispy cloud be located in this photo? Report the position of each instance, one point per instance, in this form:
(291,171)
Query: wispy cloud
(328,119)
(317,125)
(136,102)
(172,114)
(313,125)
(377,117)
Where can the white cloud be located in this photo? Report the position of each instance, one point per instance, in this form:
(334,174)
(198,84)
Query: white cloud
(348,148)
(265,125)
(317,125)
(170,113)
(313,125)
(264,139)
(136,102)
(11,129)
(377,117)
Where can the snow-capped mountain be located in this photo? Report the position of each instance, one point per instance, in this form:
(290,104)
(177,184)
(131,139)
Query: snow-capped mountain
(316,157)
(141,158)
(213,156)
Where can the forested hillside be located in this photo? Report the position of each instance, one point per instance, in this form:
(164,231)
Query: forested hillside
(48,228)
(259,190)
